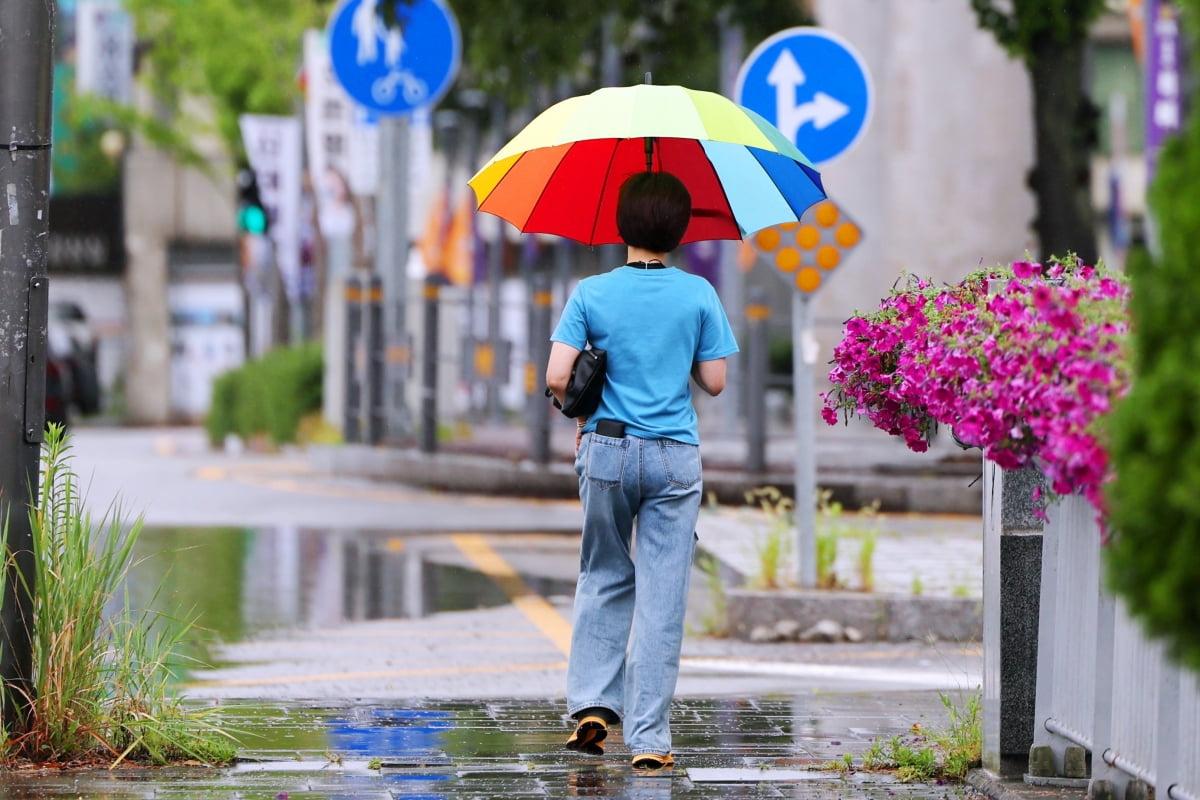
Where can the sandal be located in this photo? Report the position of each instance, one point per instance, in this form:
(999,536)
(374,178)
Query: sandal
(650,762)
(588,735)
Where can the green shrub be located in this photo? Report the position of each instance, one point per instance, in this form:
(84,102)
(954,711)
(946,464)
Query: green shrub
(220,422)
(1153,557)
(268,396)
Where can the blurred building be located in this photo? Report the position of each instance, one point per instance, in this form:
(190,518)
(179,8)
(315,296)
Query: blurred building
(143,246)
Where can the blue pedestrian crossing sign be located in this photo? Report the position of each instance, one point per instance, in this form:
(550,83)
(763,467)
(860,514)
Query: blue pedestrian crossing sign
(399,69)
(813,86)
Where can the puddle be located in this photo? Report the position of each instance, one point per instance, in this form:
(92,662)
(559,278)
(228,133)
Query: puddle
(237,583)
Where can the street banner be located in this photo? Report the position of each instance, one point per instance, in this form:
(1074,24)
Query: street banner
(273,148)
(448,238)
(104,51)
(1164,78)
(343,142)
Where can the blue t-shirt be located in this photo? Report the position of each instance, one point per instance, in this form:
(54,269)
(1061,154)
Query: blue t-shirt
(654,323)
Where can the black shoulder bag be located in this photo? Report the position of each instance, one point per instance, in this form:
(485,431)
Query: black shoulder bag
(582,396)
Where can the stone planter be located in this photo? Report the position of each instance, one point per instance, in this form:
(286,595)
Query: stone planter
(879,617)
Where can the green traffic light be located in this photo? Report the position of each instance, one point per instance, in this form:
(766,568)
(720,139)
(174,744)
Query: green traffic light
(252,219)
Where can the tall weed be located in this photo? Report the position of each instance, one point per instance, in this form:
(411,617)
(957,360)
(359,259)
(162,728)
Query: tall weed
(100,681)
(774,546)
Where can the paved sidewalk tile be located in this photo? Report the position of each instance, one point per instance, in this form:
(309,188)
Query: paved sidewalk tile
(731,748)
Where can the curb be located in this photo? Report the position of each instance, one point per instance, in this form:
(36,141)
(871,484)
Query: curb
(920,492)
(997,788)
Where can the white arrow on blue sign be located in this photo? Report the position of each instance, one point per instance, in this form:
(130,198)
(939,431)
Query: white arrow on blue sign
(400,69)
(813,86)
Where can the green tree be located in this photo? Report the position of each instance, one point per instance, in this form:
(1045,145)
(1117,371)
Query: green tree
(244,57)
(241,57)
(1051,39)
(1153,557)
(548,40)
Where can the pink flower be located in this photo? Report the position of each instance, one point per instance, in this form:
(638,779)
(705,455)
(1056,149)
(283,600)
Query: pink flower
(1024,269)
(1025,373)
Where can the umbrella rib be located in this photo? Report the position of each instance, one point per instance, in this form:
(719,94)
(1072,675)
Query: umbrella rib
(600,201)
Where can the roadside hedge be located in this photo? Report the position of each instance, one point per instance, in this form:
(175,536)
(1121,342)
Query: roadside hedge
(267,397)
(1153,558)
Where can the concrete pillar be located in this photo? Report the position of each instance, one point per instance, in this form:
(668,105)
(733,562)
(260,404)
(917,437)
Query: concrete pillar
(150,191)
(1012,569)
(937,181)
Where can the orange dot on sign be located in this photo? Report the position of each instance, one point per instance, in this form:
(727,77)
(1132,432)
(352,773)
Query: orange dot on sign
(788,226)
(767,239)
(826,214)
(828,257)
(787,259)
(808,279)
(808,237)
(847,234)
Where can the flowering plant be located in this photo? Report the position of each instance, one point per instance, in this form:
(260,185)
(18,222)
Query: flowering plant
(1021,361)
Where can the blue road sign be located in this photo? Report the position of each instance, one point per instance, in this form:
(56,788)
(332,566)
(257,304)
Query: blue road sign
(813,86)
(394,70)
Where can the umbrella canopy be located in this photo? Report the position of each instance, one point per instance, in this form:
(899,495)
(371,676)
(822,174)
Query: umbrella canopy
(562,172)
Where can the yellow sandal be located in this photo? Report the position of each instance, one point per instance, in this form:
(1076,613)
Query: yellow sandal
(651,762)
(588,735)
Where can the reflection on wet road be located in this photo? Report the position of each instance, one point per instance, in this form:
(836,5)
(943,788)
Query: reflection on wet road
(748,747)
(244,582)
(295,613)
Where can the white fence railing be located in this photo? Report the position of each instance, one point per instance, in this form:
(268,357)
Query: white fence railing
(1101,684)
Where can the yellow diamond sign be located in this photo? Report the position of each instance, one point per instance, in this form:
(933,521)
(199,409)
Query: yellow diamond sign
(805,252)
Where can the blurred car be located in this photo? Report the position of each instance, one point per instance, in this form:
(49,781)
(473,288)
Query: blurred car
(72,384)
(69,317)
(58,391)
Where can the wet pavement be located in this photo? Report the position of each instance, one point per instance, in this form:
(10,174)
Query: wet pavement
(386,641)
(764,747)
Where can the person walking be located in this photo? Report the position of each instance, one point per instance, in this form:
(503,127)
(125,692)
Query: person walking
(638,462)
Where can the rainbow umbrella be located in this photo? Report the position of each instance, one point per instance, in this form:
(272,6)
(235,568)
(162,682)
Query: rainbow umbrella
(562,172)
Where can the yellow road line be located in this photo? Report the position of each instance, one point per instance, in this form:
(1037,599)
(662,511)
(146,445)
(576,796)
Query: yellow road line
(544,616)
(275,680)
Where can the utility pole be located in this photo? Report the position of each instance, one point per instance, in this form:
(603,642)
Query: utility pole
(26,28)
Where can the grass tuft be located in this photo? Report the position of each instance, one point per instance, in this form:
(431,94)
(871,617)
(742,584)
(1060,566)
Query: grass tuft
(933,755)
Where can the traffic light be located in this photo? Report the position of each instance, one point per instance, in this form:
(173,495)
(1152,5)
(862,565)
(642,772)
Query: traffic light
(251,216)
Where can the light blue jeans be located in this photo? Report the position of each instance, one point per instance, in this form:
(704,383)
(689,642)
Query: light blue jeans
(632,593)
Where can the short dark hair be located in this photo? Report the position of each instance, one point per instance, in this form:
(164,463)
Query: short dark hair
(653,211)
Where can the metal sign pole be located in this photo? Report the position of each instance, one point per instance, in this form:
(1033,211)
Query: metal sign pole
(394,72)
(391,264)
(803,387)
(757,314)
